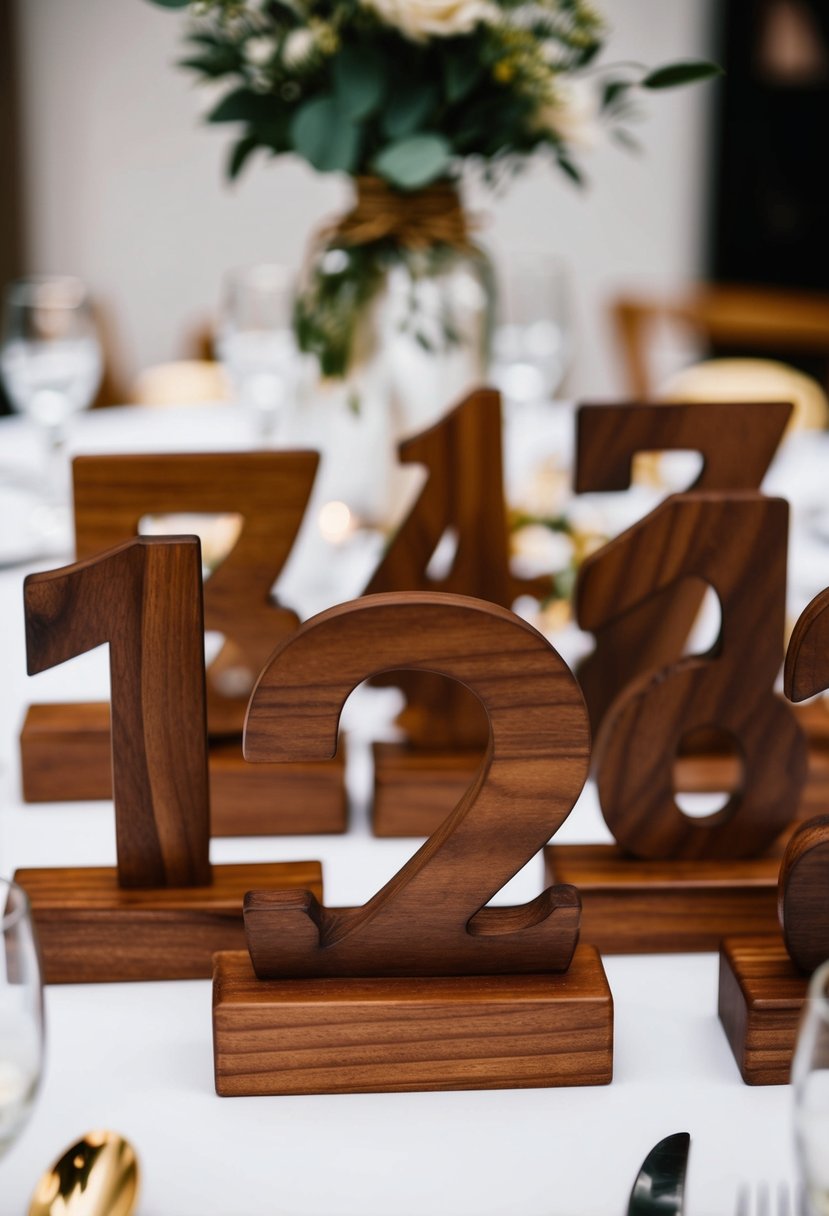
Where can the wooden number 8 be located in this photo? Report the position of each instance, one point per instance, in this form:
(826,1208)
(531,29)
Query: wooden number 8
(431,918)
(737,544)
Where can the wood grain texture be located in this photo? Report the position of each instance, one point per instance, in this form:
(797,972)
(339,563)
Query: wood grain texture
(394,1035)
(665,907)
(65,757)
(270,491)
(737,544)
(91,930)
(431,918)
(761,995)
(737,442)
(144,599)
(804,875)
(463,494)
(804,894)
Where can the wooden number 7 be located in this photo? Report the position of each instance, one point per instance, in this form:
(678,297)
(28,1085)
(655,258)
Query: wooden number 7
(737,441)
(432,918)
(269,490)
(804,873)
(737,544)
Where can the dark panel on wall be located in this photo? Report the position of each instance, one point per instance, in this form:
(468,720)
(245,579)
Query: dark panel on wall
(769,206)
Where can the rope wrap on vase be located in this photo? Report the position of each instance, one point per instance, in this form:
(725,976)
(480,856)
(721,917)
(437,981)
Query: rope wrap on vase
(431,216)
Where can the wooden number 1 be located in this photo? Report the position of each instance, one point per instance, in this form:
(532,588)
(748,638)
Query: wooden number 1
(143,598)
(737,544)
(804,873)
(432,918)
(737,441)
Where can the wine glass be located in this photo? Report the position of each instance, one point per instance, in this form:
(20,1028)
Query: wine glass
(256,343)
(50,361)
(21,1013)
(532,344)
(810,1081)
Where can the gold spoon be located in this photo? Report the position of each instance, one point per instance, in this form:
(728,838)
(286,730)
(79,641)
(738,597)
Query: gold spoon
(98,1176)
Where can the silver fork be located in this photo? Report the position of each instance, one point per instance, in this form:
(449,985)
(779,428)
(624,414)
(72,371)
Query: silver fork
(764,1200)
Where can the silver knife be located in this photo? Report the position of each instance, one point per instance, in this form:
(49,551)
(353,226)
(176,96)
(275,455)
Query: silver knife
(660,1183)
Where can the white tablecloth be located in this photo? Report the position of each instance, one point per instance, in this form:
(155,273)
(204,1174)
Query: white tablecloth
(138,1058)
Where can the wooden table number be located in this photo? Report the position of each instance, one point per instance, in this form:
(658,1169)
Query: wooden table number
(764,979)
(462,501)
(426,986)
(674,882)
(164,910)
(65,749)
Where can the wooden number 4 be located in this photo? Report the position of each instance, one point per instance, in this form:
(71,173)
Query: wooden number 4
(804,874)
(737,544)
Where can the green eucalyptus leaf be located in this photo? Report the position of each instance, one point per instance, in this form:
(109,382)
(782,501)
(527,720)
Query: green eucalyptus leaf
(462,69)
(613,92)
(359,80)
(415,161)
(686,72)
(170,3)
(324,135)
(239,153)
(571,170)
(408,107)
(243,105)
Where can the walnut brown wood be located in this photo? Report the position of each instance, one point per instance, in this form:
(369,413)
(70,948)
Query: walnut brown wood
(737,544)
(666,907)
(804,874)
(431,918)
(162,912)
(761,995)
(392,1035)
(737,442)
(93,931)
(463,494)
(144,599)
(270,490)
(65,749)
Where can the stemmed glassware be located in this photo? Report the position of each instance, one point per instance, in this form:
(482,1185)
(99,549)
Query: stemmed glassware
(256,344)
(532,343)
(50,361)
(21,1013)
(810,1081)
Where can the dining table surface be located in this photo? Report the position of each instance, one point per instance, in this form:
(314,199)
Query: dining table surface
(137,1058)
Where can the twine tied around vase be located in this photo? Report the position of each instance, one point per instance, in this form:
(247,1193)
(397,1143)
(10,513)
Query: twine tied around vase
(431,216)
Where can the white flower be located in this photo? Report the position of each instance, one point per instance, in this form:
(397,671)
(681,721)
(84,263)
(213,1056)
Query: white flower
(260,50)
(574,114)
(299,45)
(421,19)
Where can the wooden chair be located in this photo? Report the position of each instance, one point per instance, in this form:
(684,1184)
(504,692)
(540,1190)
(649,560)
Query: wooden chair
(757,321)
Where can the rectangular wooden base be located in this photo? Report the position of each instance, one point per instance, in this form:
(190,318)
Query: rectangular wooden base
(760,1001)
(665,907)
(65,757)
(416,788)
(394,1035)
(93,931)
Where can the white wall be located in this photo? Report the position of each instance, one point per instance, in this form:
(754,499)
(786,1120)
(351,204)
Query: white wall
(125,188)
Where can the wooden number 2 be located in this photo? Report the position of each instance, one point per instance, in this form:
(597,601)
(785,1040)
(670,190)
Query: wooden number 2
(431,919)
(270,490)
(144,598)
(737,544)
(804,873)
(737,442)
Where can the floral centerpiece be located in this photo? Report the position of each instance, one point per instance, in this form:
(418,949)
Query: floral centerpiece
(401,95)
